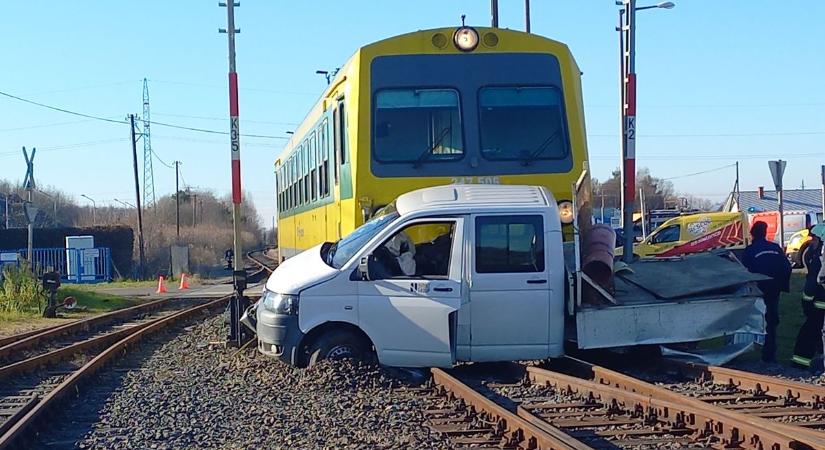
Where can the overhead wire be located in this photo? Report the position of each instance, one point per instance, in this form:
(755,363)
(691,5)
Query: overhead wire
(123,122)
(716,169)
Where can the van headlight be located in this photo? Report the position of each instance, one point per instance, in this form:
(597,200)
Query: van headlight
(566,212)
(280,303)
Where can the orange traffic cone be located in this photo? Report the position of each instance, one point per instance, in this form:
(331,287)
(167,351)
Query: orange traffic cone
(161,285)
(184,282)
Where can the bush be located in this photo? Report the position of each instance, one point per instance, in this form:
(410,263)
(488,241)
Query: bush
(21,291)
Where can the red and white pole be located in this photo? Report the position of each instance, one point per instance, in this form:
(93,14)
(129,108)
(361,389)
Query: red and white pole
(627,41)
(239,302)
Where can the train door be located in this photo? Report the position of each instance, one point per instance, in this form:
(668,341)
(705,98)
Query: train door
(343,176)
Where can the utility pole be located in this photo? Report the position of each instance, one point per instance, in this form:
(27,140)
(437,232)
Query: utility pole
(6,195)
(627,41)
(237,305)
(177,199)
(142,254)
(494,12)
(527,15)
(777,170)
(738,204)
(822,187)
(30,210)
(194,199)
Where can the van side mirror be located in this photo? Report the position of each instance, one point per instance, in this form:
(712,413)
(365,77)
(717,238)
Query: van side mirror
(638,239)
(364,268)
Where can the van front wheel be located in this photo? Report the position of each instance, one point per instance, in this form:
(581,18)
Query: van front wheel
(338,344)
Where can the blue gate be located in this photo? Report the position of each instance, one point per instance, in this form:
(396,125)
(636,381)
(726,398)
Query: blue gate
(75,265)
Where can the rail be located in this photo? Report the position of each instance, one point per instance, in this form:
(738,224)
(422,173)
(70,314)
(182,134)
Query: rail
(511,429)
(15,428)
(737,425)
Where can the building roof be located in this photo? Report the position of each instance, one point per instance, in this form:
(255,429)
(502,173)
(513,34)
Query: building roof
(474,195)
(808,200)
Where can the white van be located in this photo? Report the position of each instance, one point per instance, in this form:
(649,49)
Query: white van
(455,273)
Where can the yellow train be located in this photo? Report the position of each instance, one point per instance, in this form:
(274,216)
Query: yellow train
(465,105)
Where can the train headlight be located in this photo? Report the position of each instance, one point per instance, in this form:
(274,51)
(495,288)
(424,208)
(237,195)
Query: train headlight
(280,303)
(566,212)
(466,39)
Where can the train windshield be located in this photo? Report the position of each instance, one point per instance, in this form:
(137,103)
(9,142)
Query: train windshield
(341,252)
(417,126)
(522,124)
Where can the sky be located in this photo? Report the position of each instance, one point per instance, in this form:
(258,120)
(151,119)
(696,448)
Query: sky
(718,82)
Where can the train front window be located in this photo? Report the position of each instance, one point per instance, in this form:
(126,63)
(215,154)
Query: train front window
(417,126)
(522,124)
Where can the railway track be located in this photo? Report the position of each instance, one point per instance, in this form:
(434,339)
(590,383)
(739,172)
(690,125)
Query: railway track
(32,387)
(797,408)
(607,410)
(262,264)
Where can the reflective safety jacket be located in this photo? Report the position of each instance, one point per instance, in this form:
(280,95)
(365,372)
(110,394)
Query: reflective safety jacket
(813,290)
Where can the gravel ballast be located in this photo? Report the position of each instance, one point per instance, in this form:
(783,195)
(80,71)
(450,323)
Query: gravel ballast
(182,393)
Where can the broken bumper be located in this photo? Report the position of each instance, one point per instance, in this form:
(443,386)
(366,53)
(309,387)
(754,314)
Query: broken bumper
(278,335)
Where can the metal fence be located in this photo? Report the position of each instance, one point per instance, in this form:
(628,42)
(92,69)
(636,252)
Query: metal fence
(75,265)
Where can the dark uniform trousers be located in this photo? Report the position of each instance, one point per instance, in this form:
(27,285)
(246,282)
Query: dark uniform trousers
(809,339)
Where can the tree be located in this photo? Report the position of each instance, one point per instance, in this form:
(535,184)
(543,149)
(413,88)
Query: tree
(658,192)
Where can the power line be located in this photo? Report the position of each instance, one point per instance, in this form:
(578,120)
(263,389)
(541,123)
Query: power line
(162,161)
(66,146)
(223,119)
(46,125)
(721,156)
(215,86)
(776,133)
(123,122)
(204,130)
(726,166)
(66,111)
(734,105)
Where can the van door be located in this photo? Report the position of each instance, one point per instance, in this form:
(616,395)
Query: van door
(661,241)
(509,288)
(408,306)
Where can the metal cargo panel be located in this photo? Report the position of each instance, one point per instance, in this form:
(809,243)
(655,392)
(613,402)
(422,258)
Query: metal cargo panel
(665,322)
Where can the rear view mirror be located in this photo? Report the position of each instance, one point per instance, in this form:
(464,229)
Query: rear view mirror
(364,268)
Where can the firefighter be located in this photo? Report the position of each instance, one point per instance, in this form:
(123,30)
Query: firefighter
(809,339)
(767,258)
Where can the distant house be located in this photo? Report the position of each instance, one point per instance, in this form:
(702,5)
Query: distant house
(808,200)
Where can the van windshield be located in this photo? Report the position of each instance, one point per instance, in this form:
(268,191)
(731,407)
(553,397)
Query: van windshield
(345,248)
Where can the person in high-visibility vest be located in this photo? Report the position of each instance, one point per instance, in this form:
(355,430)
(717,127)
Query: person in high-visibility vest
(809,341)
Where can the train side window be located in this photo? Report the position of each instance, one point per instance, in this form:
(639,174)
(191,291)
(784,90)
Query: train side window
(300,163)
(336,143)
(323,146)
(313,164)
(342,129)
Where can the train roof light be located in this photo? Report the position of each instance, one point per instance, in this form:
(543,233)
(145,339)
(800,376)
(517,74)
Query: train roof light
(466,39)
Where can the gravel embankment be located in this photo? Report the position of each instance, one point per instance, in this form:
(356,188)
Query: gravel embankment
(778,370)
(185,394)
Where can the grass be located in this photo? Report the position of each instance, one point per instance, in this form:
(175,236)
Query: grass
(93,302)
(89,303)
(790,317)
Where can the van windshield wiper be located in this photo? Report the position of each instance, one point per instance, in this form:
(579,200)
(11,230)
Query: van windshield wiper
(429,151)
(540,149)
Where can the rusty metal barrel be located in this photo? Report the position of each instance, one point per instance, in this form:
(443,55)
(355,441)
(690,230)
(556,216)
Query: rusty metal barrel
(597,259)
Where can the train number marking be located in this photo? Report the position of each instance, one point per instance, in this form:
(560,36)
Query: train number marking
(475,180)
